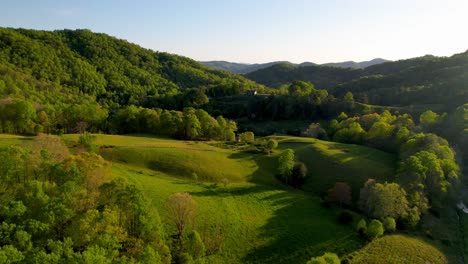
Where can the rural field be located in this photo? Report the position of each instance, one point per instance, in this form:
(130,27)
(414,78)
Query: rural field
(263,220)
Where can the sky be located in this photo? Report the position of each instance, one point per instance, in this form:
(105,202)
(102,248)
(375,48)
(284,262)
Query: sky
(258,31)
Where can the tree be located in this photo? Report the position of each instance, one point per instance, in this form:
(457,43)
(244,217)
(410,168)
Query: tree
(428,118)
(298,174)
(327,258)
(349,97)
(389,224)
(181,209)
(361,227)
(192,126)
(340,193)
(286,164)
(271,144)
(247,137)
(384,200)
(300,88)
(375,229)
(194,245)
(315,131)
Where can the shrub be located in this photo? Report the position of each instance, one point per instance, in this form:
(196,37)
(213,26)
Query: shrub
(247,137)
(361,227)
(327,258)
(375,229)
(389,224)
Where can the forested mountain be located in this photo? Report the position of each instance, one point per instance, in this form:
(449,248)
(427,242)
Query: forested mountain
(115,71)
(323,77)
(423,80)
(244,68)
(353,64)
(240,68)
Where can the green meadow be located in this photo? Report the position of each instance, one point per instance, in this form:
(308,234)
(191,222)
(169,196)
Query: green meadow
(263,221)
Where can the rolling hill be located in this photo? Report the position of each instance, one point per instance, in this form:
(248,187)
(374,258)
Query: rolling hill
(113,70)
(426,80)
(244,68)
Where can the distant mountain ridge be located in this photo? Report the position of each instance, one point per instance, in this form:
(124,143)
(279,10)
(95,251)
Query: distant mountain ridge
(244,68)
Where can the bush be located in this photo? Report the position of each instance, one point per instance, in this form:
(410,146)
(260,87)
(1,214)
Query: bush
(271,144)
(327,258)
(86,140)
(194,245)
(299,174)
(362,227)
(375,229)
(247,137)
(389,224)
(345,218)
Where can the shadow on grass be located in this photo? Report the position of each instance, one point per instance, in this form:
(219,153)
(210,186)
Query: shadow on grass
(301,229)
(298,228)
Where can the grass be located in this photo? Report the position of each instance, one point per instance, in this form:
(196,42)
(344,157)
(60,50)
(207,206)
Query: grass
(331,162)
(263,224)
(9,140)
(182,158)
(263,220)
(399,249)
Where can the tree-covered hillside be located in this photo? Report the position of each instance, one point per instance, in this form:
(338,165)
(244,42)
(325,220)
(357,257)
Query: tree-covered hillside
(424,80)
(323,77)
(115,71)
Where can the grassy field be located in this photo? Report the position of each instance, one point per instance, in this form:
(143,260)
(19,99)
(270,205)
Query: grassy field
(263,220)
(399,249)
(330,162)
(182,158)
(262,224)
(8,140)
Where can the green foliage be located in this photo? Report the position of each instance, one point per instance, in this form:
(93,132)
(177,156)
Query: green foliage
(375,229)
(327,258)
(86,140)
(271,144)
(300,88)
(322,76)
(247,137)
(389,224)
(194,245)
(286,165)
(429,118)
(349,96)
(400,249)
(383,200)
(361,226)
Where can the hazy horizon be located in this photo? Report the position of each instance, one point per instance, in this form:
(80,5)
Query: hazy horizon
(262,31)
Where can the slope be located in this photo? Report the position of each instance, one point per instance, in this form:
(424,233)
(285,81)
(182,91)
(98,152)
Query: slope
(399,249)
(113,70)
(323,77)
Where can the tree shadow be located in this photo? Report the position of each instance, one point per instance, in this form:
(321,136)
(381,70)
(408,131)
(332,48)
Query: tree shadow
(299,227)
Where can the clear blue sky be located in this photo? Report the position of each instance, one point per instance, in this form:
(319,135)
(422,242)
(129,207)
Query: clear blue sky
(261,30)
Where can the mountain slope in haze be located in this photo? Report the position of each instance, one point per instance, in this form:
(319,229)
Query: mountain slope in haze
(244,68)
(115,71)
(239,68)
(357,65)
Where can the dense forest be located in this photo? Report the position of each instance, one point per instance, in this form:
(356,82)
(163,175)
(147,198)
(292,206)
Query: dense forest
(61,200)
(426,80)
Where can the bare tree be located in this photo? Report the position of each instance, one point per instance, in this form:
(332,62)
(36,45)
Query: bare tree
(181,210)
(340,193)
